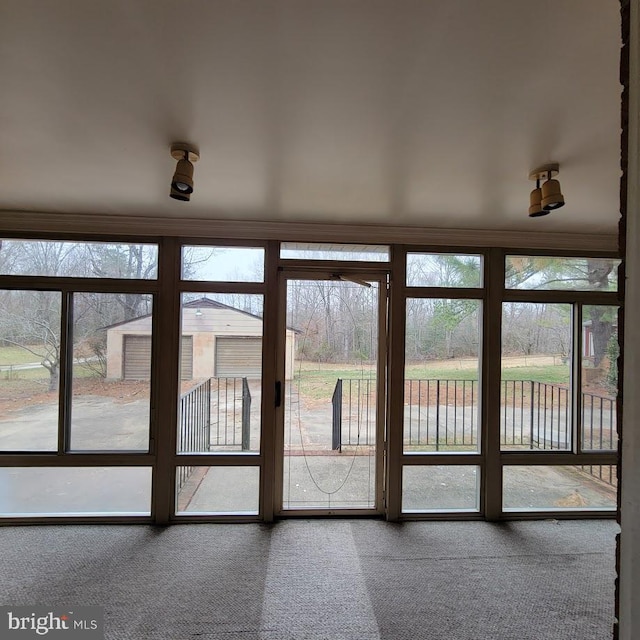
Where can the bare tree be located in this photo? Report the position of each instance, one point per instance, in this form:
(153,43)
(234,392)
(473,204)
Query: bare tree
(31,321)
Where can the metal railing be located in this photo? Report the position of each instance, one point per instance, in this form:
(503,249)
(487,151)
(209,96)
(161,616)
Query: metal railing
(605,473)
(598,422)
(550,425)
(215,413)
(441,413)
(534,414)
(354,413)
(231,419)
(195,425)
(336,422)
(246,415)
(444,415)
(537,415)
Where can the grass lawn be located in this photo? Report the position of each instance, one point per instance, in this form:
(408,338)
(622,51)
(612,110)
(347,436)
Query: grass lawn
(318,380)
(40,373)
(320,383)
(38,376)
(17,355)
(427,371)
(551,374)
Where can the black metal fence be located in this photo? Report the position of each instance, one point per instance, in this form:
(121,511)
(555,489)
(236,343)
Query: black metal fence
(231,417)
(536,415)
(440,413)
(215,413)
(598,422)
(354,413)
(336,430)
(443,415)
(194,433)
(607,473)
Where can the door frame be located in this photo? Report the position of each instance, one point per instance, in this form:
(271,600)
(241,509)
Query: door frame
(381,275)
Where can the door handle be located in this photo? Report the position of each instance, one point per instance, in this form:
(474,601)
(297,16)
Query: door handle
(278,393)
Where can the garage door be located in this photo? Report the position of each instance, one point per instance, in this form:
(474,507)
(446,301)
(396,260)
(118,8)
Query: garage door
(186,358)
(137,357)
(238,357)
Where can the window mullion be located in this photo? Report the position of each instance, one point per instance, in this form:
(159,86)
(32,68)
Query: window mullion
(491,375)
(576,379)
(165,391)
(65,373)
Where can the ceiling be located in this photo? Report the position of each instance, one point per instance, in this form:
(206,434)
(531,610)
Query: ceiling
(380,111)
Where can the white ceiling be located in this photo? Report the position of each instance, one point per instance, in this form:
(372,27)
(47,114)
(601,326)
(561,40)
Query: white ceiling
(382,111)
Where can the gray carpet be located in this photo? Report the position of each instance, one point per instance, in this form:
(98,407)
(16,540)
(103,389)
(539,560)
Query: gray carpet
(323,579)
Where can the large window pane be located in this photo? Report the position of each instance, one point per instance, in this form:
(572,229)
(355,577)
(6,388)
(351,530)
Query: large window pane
(577,274)
(111,372)
(217,490)
(440,488)
(443,270)
(334,251)
(29,370)
(221,373)
(599,377)
(441,396)
(223,264)
(79,259)
(563,488)
(75,491)
(535,412)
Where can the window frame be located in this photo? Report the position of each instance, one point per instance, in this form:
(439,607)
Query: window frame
(166,290)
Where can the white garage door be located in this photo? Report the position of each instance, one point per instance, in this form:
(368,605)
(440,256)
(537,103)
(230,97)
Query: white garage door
(238,357)
(137,357)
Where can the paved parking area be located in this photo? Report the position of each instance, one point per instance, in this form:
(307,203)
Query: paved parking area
(97,423)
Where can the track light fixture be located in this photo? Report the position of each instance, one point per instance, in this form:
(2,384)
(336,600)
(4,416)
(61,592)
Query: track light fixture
(535,202)
(182,181)
(544,200)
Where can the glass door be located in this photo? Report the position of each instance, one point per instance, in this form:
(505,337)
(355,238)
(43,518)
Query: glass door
(331,393)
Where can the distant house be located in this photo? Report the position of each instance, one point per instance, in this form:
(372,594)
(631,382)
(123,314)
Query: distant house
(217,341)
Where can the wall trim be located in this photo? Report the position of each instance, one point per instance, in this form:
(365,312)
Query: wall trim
(628,564)
(73,223)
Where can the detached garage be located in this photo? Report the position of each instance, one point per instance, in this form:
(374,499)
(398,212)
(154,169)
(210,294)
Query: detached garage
(218,341)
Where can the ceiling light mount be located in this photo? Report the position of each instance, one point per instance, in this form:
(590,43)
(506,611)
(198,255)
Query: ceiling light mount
(549,197)
(178,150)
(182,182)
(545,172)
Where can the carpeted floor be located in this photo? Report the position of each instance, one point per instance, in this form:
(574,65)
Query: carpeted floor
(323,579)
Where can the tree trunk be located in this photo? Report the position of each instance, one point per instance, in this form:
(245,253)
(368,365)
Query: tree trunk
(53,377)
(601,332)
(598,272)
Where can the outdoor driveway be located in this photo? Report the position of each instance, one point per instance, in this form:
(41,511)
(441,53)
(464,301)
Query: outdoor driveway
(97,423)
